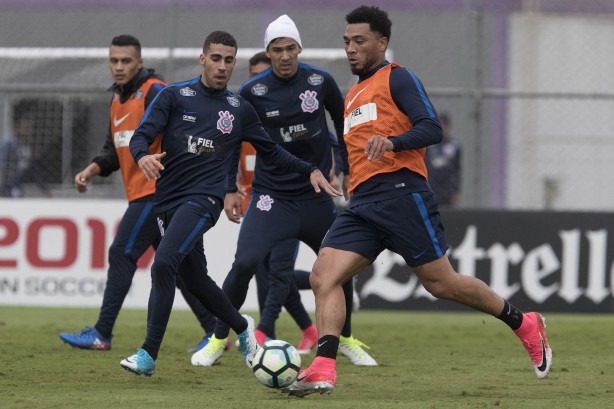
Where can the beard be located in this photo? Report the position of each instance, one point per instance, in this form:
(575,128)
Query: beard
(355,70)
(367,65)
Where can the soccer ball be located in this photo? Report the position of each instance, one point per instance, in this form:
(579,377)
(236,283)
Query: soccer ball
(276,364)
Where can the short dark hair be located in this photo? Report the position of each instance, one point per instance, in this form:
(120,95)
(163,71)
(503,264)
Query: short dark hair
(258,58)
(127,40)
(376,18)
(219,37)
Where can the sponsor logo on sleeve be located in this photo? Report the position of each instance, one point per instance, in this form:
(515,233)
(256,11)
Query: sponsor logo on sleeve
(187,92)
(315,79)
(234,101)
(259,90)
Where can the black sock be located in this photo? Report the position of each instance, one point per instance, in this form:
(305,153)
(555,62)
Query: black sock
(511,316)
(348,292)
(151,351)
(328,346)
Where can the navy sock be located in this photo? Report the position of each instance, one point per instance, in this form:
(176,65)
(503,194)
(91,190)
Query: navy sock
(151,351)
(104,333)
(348,292)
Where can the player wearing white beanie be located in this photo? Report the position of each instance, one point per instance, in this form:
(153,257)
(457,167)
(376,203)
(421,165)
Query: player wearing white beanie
(283,27)
(292,101)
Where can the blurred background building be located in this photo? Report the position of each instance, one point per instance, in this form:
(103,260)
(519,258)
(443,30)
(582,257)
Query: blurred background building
(528,83)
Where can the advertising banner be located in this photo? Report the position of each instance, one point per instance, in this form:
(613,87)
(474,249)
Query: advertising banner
(549,261)
(54,253)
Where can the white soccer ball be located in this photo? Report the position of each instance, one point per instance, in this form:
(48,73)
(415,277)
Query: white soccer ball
(276,364)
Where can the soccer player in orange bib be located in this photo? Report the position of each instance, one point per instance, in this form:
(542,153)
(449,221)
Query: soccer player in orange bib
(133,90)
(389,122)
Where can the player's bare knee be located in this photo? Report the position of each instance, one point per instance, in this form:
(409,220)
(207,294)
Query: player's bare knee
(315,278)
(319,280)
(313,282)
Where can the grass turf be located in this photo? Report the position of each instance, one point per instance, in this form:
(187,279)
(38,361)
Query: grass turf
(427,360)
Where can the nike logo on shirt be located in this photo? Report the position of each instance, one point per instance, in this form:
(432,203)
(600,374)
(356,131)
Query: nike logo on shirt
(355,96)
(116,121)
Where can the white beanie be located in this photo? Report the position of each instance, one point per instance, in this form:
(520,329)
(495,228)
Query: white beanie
(282,27)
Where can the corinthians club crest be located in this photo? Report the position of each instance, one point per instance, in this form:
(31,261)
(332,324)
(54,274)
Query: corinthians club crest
(224,124)
(310,101)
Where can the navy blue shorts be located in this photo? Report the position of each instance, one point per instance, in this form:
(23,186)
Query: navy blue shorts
(408,225)
(270,220)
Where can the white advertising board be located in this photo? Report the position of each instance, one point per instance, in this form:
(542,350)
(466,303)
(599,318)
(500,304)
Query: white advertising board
(54,253)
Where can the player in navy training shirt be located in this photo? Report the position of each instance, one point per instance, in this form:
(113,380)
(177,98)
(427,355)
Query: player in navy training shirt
(291,100)
(202,125)
(133,90)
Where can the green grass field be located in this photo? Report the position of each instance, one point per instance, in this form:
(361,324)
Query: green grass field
(427,360)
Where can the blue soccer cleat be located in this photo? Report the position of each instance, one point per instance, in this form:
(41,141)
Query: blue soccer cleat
(203,343)
(88,338)
(247,341)
(140,363)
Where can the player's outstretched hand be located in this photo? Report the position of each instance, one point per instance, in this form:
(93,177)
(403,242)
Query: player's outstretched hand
(151,166)
(233,207)
(319,183)
(376,147)
(81,181)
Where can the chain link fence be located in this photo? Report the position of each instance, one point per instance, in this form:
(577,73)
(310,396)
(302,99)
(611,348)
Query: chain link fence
(527,84)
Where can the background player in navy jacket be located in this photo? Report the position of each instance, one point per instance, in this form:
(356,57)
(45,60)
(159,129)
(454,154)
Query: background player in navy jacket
(202,125)
(281,258)
(133,90)
(291,100)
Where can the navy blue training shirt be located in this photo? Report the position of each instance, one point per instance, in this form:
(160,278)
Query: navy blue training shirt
(293,111)
(202,131)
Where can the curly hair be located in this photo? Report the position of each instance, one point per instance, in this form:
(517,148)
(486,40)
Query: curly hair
(376,18)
